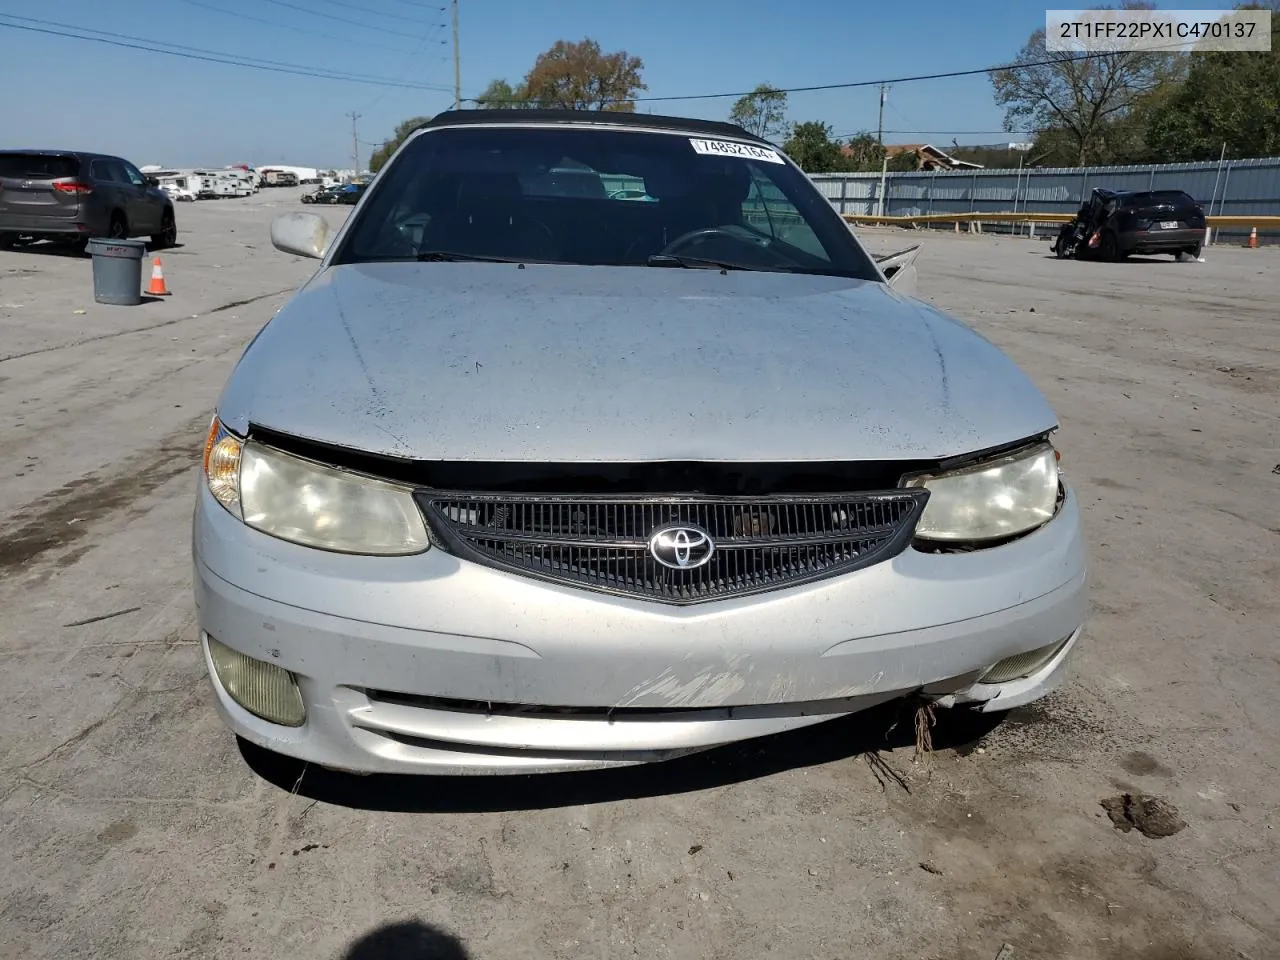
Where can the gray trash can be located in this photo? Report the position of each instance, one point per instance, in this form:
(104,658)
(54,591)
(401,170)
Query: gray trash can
(117,271)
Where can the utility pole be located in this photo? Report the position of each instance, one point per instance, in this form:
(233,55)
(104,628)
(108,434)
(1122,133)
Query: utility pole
(457,64)
(355,144)
(884,157)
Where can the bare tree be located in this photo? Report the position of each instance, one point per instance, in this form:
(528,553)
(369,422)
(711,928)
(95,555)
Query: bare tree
(1081,98)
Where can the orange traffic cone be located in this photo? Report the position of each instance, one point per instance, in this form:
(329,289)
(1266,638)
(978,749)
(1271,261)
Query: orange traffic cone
(157,287)
(1253,238)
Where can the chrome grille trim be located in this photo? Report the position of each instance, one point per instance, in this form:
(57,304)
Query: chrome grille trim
(600,542)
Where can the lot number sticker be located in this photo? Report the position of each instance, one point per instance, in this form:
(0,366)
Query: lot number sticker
(726,148)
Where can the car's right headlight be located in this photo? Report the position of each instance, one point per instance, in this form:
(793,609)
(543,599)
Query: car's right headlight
(310,503)
(992,500)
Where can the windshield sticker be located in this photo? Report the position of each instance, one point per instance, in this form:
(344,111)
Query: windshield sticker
(726,148)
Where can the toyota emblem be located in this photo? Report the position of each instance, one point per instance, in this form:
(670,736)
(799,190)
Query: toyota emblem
(679,546)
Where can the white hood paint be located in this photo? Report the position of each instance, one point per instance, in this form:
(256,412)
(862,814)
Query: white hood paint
(480,361)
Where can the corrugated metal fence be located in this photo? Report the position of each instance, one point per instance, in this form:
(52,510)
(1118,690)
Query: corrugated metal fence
(1232,188)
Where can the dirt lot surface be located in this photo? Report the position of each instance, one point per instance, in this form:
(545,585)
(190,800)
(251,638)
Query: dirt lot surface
(134,827)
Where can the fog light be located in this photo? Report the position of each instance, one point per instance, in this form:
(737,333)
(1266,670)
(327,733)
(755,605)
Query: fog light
(1023,664)
(265,690)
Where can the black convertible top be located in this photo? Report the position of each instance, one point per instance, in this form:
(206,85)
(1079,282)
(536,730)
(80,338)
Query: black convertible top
(599,117)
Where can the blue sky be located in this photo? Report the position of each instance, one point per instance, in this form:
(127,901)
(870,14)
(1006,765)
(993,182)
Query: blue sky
(154,108)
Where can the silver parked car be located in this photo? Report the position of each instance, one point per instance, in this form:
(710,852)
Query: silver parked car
(529,480)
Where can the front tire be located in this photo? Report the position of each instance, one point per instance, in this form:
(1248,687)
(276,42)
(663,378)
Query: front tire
(168,235)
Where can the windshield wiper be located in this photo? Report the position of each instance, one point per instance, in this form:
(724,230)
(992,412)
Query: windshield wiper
(448,256)
(702,263)
(694,263)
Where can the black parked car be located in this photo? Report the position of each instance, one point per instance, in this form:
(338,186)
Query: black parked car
(1116,223)
(348,193)
(319,195)
(72,196)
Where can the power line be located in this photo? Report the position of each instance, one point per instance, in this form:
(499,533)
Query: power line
(202,50)
(857,83)
(233,60)
(876,83)
(953,133)
(406,68)
(380,13)
(289,26)
(330,16)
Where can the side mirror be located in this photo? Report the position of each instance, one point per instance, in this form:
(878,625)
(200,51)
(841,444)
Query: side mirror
(899,269)
(153,181)
(302,234)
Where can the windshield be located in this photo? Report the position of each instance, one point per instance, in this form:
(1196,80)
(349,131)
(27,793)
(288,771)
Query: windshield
(600,197)
(38,166)
(1155,197)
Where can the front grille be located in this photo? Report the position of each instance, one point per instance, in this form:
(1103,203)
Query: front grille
(602,543)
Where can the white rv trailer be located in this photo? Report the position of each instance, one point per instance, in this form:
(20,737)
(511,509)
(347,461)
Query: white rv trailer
(218,184)
(179,187)
(180,184)
(207,185)
(245,181)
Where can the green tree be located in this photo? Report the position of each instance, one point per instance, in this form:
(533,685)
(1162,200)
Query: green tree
(500,95)
(811,147)
(1227,98)
(903,162)
(1084,101)
(392,143)
(1055,148)
(862,152)
(762,112)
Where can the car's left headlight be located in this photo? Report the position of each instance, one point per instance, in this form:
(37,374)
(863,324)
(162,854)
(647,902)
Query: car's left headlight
(992,500)
(309,503)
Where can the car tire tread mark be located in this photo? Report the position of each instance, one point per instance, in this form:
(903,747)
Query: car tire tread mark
(18,771)
(43,525)
(153,326)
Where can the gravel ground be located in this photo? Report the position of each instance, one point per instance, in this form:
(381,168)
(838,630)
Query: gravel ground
(134,827)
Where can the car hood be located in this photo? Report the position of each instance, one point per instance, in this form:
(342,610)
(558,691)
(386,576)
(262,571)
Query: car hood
(482,361)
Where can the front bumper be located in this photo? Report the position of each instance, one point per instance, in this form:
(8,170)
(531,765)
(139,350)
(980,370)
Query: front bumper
(431,664)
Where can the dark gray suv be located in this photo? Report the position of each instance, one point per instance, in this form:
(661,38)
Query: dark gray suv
(72,196)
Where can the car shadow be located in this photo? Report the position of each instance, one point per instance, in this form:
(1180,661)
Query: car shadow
(1166,259)
(408,940)
(49,248)
(889,726)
